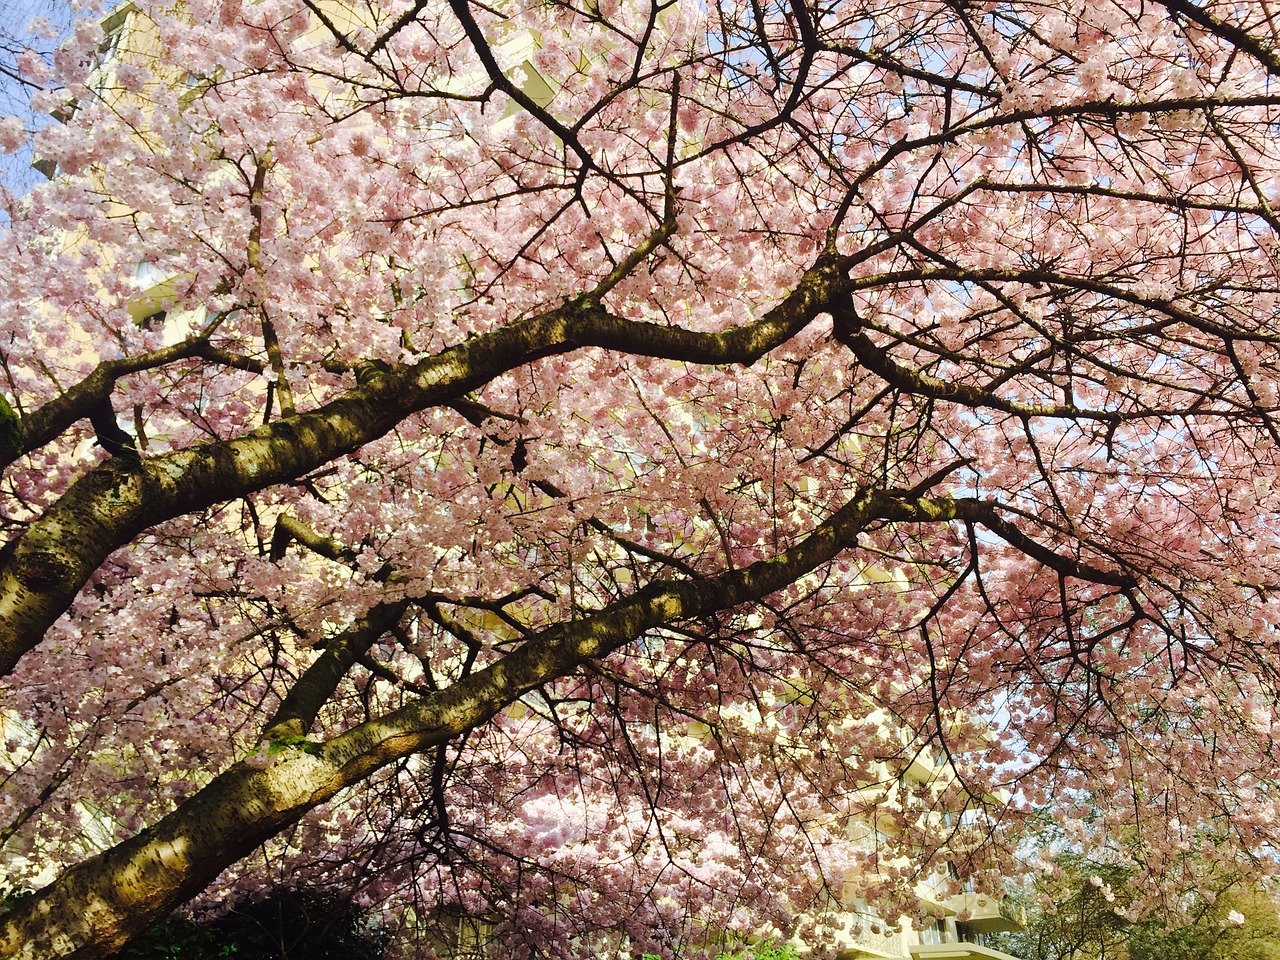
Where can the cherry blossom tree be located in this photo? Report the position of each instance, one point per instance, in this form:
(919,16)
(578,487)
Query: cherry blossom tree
(563,464)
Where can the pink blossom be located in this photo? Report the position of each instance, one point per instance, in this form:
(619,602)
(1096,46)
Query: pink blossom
(544,516)
(13,134)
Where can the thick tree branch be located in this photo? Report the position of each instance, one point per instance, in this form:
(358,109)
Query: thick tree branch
(49,421)
(1238,38)
(298,711)
(848,330)
(41,571)
(142,879)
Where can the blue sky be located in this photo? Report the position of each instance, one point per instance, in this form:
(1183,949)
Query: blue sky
(14,17)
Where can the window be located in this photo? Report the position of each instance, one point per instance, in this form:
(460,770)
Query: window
(113,33)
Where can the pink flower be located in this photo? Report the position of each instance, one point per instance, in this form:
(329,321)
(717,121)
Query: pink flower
(32,66)
(13,134)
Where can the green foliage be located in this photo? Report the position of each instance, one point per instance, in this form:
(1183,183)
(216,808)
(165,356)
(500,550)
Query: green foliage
(290,924)
(771,951)
(764,951)
(10,430)
(180,939)
(11,897)
(1213,936)
(1086,922)
(281,744)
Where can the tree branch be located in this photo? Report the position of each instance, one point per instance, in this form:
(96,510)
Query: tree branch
(43,569)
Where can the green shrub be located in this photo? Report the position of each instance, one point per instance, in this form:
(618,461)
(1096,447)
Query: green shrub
(288,924)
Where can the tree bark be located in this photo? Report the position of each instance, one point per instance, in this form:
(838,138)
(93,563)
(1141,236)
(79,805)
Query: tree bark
(96,907)
(43,569)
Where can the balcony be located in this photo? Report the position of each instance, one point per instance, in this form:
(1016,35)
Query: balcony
(956,951)
(981,913)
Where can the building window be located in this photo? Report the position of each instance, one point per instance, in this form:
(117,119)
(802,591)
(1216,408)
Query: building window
(113,31)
